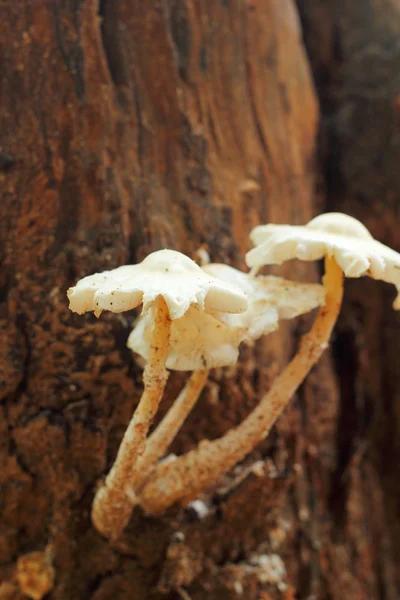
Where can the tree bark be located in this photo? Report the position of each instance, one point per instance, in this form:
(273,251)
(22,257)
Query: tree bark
(355,56)
(127,127)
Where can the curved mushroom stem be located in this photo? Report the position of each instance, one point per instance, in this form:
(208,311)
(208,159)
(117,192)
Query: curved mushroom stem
(164,434)
(112,506)
(183,479)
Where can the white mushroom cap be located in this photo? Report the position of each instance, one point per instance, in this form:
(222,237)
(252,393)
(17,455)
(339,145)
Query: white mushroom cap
(334,235)
(198,340)
(208,339)
(270,300)
(165,273)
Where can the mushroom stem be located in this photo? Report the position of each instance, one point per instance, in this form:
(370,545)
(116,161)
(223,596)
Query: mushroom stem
(184,478)
(112,506)
(165,433)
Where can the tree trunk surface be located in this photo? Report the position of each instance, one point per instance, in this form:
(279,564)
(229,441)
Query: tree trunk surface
(131,126)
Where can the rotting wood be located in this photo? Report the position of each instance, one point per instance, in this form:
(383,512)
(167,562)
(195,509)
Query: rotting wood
(126,129)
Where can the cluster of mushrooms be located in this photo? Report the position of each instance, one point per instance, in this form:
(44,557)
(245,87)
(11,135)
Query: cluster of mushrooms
(194,319)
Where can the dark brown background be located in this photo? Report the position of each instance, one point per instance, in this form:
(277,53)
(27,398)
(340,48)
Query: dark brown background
(128,126)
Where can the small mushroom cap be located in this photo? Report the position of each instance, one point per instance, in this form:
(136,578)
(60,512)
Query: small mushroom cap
(208,339)
(333,235)
(165,273)
(198,340)
(270,300)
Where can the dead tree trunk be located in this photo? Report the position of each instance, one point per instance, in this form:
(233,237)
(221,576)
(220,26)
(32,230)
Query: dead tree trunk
(130,126)
(355,55)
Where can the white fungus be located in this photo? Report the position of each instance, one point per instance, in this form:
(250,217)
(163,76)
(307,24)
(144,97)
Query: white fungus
(165,273)
(332,235)
(208,339)
(270,300)
(198,340)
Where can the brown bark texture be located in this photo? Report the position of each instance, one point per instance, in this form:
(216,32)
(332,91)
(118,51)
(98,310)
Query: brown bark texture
(130,126)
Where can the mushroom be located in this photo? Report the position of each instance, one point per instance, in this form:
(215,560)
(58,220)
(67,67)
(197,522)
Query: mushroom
(209,339)
(349,249)
(167,283)
(271,299)
(333,236)
(198,340)
(202,340)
